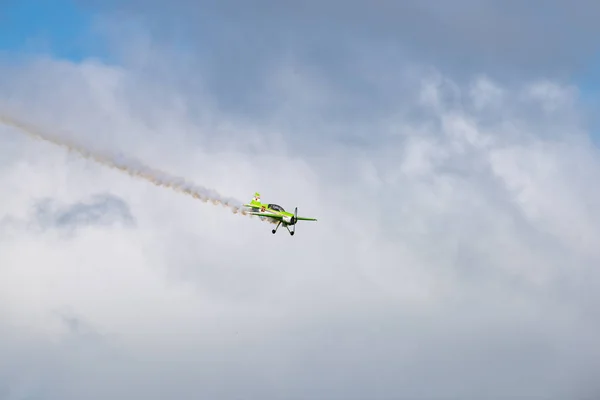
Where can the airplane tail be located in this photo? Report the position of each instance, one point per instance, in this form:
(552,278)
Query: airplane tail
(255,203)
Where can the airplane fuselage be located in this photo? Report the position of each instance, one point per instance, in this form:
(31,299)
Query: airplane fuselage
(286,217)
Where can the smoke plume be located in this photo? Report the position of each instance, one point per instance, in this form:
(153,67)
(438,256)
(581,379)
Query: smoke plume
(134,168)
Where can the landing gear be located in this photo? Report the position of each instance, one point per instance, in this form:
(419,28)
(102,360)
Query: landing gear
(274,231)
(291,232)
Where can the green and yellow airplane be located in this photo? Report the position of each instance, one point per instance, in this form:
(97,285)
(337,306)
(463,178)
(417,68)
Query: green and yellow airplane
(277,213)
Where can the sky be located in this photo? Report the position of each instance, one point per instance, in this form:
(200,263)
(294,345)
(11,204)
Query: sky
(59,28)
(448,151)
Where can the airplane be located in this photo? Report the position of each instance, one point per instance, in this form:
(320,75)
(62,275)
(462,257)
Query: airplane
(277,213)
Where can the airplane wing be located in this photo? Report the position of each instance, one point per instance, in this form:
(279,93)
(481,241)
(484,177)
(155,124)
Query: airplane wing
(306,219)
(266,215)
(279,217)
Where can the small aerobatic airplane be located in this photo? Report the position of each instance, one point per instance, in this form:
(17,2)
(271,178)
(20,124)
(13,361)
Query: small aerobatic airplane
(277,213)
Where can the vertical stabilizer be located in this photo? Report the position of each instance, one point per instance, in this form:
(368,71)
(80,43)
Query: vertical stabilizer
(255,203)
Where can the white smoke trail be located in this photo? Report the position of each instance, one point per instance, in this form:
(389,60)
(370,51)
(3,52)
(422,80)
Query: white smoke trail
(135,169)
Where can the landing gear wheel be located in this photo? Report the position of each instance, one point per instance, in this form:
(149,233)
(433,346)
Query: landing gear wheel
(273,231)
(292,233)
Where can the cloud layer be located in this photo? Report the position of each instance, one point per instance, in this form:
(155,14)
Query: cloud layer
(455,253)
(504,38)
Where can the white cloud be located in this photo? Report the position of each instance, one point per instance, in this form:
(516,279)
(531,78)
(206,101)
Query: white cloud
(444,262)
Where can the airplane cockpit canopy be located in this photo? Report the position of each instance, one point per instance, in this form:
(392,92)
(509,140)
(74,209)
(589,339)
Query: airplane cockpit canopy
(276,207)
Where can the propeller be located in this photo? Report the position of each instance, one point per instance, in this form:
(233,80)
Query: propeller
(295,219)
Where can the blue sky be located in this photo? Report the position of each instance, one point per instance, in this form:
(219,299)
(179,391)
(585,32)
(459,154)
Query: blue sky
(57,27)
